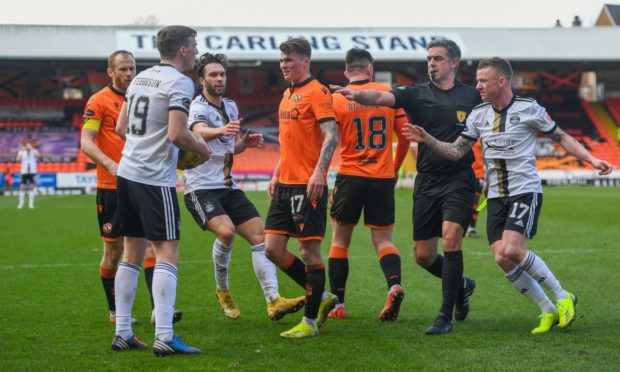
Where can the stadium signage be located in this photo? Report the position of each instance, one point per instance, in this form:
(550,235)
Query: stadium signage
(76,180)
(248,45)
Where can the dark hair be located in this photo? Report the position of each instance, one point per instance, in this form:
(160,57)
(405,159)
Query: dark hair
(500,65)
(112,57)
(207,58)
(297,45)
(357,58)
(171,38)
(451,47)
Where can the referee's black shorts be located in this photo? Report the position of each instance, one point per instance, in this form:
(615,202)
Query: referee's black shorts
(444,197)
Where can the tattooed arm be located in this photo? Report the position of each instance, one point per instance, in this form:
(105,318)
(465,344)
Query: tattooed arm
(330,141)
(573,147)
(453,151)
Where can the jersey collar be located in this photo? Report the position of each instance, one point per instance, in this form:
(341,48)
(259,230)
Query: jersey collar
(360,82)
(302,83)
(116,91)
(514,96)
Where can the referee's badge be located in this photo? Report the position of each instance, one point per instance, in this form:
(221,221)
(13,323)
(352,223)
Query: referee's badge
(460,116)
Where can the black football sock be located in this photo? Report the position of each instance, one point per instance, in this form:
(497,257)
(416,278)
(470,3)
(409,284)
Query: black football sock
(452,279)
(295,269)
(314,290)
(338,271)
(436,267)
(390,264)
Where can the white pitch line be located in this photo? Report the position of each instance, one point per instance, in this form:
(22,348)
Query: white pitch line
(243,259)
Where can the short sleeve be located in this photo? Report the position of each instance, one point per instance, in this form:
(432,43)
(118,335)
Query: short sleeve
(403,96)
(471,130)
(322,105)
(197,114)
(180,94)
(93,109)
(541,119)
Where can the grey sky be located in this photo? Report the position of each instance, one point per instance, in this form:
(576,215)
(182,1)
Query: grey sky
(322,13)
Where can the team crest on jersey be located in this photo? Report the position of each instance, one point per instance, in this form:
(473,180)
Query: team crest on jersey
(89,113)
(116,104)
(515,119)
(107,228)
(297,97)
(460,116)
(548,118)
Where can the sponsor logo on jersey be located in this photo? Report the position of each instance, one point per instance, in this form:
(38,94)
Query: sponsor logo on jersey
(293,114)
(515,119)
(89,113)
(297,97)
(200,117)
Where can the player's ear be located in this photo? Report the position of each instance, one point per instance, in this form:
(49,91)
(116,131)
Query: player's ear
(110,72)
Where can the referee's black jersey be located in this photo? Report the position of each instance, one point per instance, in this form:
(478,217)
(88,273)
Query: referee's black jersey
(442,113)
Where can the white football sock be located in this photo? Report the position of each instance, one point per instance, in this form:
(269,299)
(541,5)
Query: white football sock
(31,195)
(538,270)
(527,286)
(125,285)
(221,261)
(265,272)
(22,195)
(164,296)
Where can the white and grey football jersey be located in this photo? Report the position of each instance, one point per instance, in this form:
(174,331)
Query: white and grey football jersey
(509,144)
(148,156)
(28,161)
(215,173)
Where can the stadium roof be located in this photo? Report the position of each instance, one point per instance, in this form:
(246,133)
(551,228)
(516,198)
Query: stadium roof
(329,44)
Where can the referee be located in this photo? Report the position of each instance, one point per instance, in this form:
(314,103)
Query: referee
(444,190)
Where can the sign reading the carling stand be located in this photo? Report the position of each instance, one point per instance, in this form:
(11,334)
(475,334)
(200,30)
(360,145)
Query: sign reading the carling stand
(326,45)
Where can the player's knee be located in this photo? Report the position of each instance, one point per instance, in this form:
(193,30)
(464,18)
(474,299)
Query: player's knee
(226,234)
(451,242)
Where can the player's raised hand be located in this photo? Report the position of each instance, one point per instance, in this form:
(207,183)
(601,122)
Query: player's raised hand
(347,93)
(251,139)
(232,128)
(602,165)
(415,133)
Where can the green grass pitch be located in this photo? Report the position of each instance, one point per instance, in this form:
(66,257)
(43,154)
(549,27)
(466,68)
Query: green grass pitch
(53,312)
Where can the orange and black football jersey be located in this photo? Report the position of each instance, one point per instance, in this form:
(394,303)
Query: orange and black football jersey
(366,134)
(103,107)
(303,107)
